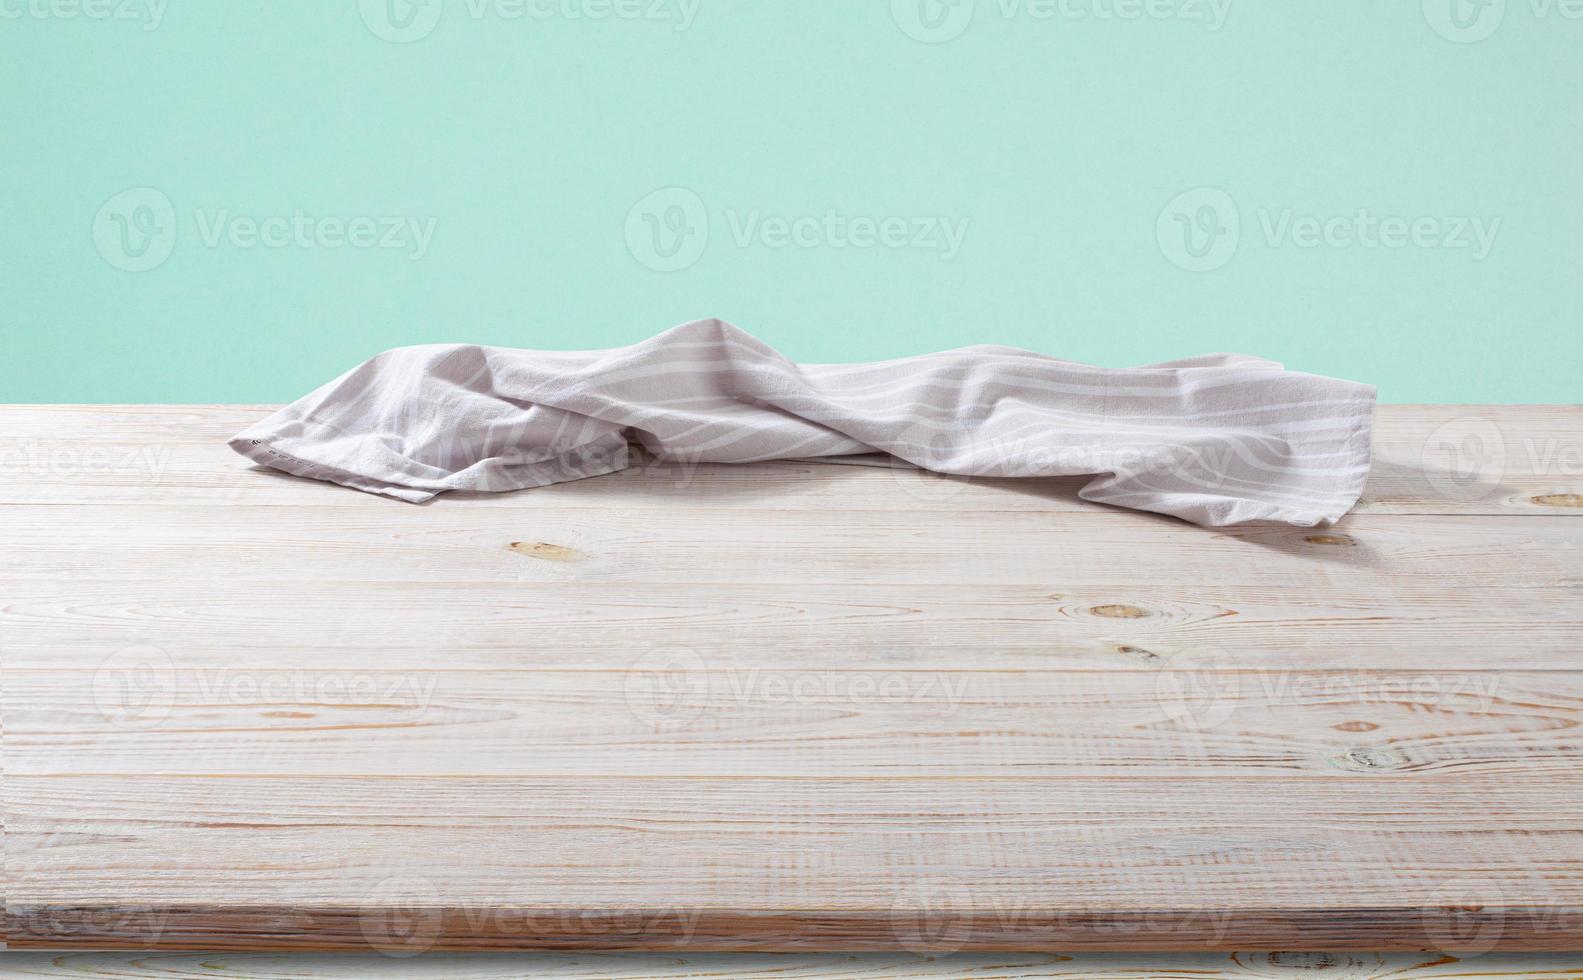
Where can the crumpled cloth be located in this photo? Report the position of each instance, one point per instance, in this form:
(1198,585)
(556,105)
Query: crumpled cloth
(1216,440)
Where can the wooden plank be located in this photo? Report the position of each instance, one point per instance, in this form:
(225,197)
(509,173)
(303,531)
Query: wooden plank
(750,862)
(1476,459)
(672,716)
(698,545)
(1428,459)
(780,966)
(1089,624)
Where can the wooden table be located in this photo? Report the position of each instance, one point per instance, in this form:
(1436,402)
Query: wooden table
(786,706)
(163,965)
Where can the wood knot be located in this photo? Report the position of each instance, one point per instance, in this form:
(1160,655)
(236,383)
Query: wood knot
(1326,963)
(547,552)
(1334,540)
(1118,611)
(1139,654)
(1559,500)
(1370,759)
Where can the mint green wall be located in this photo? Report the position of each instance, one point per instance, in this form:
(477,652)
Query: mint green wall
(1386,191)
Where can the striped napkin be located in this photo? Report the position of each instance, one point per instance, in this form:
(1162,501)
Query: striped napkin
(1215,440)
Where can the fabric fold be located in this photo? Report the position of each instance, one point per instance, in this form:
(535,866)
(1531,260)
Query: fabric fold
(1217,440)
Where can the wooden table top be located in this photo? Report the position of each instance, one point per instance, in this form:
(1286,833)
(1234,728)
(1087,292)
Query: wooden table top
(786,706)
(683,965)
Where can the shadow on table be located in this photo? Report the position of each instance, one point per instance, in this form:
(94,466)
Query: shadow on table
(811,479)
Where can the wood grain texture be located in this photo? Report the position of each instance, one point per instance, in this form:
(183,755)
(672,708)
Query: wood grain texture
(785,966)
(748,862)
(790,706)
(1200,719)
(385,542)
(788,966)
(1091,624)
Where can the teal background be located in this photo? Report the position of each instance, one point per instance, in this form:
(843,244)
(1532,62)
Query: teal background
(529,142)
